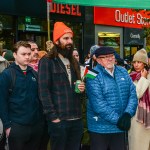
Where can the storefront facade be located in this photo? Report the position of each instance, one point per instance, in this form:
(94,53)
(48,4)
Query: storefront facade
(11,14)
(120,28)
(27,20)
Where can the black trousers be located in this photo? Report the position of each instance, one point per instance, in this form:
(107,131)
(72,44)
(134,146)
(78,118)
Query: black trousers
(23,137)
(111,141)
(65,135)
(45,138)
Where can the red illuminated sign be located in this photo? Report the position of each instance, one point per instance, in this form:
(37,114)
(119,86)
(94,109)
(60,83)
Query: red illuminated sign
(49,1)
(66,9)
(121,17)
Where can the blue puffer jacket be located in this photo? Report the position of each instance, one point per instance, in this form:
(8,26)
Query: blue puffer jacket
(109,97)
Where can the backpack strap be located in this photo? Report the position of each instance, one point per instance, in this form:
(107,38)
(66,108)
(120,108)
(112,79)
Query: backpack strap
(13,79)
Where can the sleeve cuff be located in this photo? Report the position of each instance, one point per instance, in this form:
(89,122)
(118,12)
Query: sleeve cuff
(7,125)
(51,117)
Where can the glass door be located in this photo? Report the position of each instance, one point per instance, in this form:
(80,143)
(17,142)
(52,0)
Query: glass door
(111,39)
(129,52)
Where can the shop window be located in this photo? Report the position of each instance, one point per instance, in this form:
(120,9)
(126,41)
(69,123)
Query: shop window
(129,52)
(28,23)
(111,39)
(6,32)
(33,29)
(6,21)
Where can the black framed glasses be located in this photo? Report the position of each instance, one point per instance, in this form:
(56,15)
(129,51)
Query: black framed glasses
(107,56)
(33,49)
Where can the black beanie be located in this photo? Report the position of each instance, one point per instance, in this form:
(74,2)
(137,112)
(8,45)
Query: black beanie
(104,50)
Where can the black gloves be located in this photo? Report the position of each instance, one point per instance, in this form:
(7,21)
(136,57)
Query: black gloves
(124,122)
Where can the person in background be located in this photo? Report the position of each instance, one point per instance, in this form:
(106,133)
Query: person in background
(112,102)
(88,55)
(20,107)
(34,62)
(58,73)
(86,58)
(34,55)
(8,55)
(121,62)
(139,134)
(76,54)
(3,64)
(91,62)
(41,54)
(49,45)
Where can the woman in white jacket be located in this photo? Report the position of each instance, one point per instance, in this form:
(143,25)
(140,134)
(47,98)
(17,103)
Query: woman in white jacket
(139,134)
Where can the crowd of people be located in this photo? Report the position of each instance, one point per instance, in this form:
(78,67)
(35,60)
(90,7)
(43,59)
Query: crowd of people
(38,100)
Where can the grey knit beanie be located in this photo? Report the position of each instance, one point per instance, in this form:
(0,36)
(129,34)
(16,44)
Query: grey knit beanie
(141,55)
(93,49)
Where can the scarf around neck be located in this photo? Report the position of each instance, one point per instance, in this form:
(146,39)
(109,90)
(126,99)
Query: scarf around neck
(143,112)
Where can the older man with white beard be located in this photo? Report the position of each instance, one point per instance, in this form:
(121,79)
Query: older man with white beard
(112,102)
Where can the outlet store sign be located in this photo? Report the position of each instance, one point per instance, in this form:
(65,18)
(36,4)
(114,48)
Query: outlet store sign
(121,17)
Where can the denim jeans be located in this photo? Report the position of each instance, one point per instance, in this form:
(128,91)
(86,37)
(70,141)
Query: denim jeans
(65,135)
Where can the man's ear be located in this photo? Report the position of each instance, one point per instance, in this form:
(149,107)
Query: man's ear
(14,54)
(98,60)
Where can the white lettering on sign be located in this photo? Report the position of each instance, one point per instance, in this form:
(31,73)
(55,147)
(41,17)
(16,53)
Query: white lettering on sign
(126,18)
(135,36)
(131,18)
(142,20)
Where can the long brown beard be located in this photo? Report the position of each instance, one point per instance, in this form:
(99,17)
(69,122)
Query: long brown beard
(65,51)
(68,53)
(53,53)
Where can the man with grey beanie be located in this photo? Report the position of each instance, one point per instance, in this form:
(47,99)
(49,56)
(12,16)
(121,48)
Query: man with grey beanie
(91,62)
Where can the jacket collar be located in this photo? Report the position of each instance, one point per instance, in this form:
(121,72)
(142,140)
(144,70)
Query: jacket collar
(104,69)
(14,65)
(62,66)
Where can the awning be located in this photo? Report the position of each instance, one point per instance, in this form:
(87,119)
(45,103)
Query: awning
(135,4)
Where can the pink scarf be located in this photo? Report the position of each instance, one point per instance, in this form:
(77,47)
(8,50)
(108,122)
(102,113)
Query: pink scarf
(143,112)
(34,66)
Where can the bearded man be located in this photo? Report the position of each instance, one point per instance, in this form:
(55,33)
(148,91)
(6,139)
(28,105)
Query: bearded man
(58,72)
